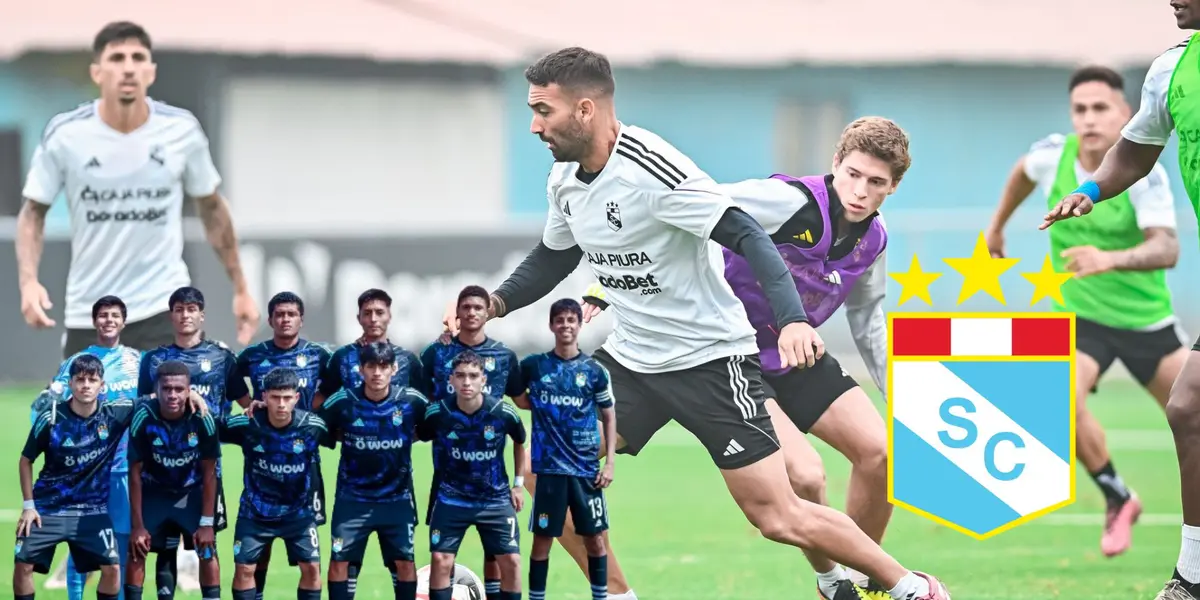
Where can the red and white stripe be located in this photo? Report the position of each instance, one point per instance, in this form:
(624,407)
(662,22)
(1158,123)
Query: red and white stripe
(981,336)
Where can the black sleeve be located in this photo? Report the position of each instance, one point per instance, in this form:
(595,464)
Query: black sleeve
(537,276)
(331,374)
(739,232)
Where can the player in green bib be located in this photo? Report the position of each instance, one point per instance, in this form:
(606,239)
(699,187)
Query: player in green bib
(1170,102)
(1119,253)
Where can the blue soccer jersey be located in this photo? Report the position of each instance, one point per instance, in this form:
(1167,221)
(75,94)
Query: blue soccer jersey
(377,439)
(171,452)
(469,451)
(499,366)
(306,358)
(564,395)
(280,467)
(343,370)
(121,364)
(213,369)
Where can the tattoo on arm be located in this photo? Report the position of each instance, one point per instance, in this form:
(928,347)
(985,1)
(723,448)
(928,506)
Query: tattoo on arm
(31,236)
(218,225)
(1159,251)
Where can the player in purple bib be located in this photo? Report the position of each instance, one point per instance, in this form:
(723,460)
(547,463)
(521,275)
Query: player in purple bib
(829,233)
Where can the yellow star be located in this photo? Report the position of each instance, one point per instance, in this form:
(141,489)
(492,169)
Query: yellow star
(1047,283)
(981,272)
(914,283)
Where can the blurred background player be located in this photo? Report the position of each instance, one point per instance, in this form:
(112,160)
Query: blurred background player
(213,369)
(278,444)
(1119,295)
(69,502)
(285,349)
(1164,108)
(147,155)
(469,432)
(565,389)
(377,423)
(503,379)
(174,490)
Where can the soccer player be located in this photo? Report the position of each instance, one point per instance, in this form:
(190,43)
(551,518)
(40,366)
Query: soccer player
(173,480)
(565,389)
(126,162)
(1165,106)
(1120,297)
(468,433)
(643,215)
(378,425)
(278,444)
(342,369)
(285,315)
(503,379)
(69,502)
(213,369)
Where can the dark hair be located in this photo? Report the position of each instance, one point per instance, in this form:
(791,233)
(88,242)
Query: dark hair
(172,368)
(566,305)
(119,31)
(186,295)
(86,364)
(466,357)
(377,353)
(372,295)
(573,69)
(107,302)
(1099,73)
(474,291)
(284,298)
(281,378)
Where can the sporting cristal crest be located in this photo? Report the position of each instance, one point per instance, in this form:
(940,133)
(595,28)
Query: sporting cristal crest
(981,406)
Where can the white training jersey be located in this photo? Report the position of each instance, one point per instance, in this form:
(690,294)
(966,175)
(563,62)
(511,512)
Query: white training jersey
(125,198)
(1151,197)
(1152,125)
(644,224)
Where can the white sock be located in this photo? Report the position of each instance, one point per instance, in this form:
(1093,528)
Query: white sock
(857,577)
(1189,555)
(911,586)
(828,582)
(626,596)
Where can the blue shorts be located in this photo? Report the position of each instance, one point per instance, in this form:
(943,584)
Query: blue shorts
(90,540)
(299,537)
(393,524)
(556,494)
(497,527)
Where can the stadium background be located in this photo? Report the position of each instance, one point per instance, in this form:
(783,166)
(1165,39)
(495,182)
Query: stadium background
(386,144)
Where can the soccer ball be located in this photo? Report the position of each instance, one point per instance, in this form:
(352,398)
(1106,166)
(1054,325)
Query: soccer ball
(464,583)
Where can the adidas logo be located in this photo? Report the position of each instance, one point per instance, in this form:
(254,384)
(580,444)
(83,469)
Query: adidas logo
(158,441)
(164,592)
(567,205)
(804,237)
(453,436)
(359,423)
(259,448)
(733,448)
(265,363)
(92,163)
(835,278)
(68,443)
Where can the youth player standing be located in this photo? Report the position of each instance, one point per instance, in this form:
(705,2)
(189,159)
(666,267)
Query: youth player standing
(378,425)
(125,162)
(173,480)
(565,390)
(278,444)
(1165,106)
(1120,297)
(468,434)
(682,348)
(342,369)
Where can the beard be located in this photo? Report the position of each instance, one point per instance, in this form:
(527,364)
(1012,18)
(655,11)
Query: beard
(572,143)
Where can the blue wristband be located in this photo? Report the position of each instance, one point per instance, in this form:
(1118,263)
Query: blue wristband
(1089,189)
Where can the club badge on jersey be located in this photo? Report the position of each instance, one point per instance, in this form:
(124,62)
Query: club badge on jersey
(981,406)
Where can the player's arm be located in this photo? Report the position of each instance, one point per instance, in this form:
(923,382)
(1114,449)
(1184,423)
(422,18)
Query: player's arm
(332,412)
(516,430)
(42,185)
(428,425)
(1017,188)
(427,383)
(139,448)
(232,429)
(608,420)
(145,376)
(1040,163)
(525,373)
(37,443)
(326,358)
(1154,209)
(210,453)
(416,371)
(868,325)
(331,377)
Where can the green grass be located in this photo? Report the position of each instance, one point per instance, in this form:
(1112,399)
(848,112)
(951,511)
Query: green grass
(680,537)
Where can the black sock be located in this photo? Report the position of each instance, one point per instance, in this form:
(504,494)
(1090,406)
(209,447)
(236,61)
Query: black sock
(339,590)
(1111,484)
(243,594)
(491,588)
(260,582)
(29,597)
(446,593)
(132,592)
(1192,588)
(405,590)
(210,592)
(303,594)
(351,581)
(102,596)
(598,576)
(510,595)
(538,570)
(166,571)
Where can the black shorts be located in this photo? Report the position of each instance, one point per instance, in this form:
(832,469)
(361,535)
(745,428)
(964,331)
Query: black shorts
(805,394)
(318,494)
(220,520)
(90,540)
(555,494)
(147,334)
(170,517)
(1139,351)
(251,537)
(497,527)
(720,402)
(393,524)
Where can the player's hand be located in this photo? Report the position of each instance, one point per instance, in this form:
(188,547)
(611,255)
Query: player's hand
(1075,205)
(518,498)
(253,406)
(594,302)
(450,318)
(590,311)
(245,312)
(605,478)
(139,543)
(995,242)
(29,518)
(35,301)
(197,403)
(205,539)
(800,345)
(1088,260)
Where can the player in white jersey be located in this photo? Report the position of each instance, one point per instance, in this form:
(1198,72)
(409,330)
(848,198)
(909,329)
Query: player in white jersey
(643,214)
(125,162)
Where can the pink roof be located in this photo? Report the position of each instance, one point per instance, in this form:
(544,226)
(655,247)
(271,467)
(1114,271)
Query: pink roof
(711,32)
